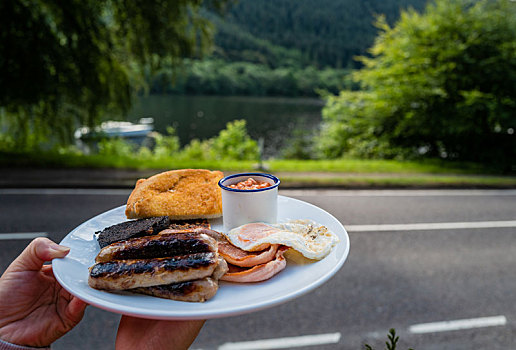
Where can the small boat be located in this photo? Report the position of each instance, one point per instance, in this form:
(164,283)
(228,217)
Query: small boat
(137,133)
(121,129)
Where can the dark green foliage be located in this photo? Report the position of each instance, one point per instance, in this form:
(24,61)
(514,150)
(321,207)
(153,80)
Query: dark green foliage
(283,48)
(440,84)
(322,33)
(218,77)
(234,43)
(65,62)
(299,145)
(232,143)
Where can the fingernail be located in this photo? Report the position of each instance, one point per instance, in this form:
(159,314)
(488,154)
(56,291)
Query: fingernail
(59,248)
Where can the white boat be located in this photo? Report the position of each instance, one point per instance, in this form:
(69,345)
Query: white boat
(111,129)
(138,133)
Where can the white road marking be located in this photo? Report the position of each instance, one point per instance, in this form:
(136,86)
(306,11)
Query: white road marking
(334,338)
(65,191)
(395,193)
(284,343)
(21,235)
(431,226)
(446,326)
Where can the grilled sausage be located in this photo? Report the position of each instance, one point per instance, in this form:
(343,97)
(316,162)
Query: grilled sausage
(193,291)
(127,274)
(158,246)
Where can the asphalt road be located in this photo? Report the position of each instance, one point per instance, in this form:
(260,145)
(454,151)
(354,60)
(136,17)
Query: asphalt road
(440,286)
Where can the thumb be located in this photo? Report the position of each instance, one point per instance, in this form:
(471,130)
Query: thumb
(36,253)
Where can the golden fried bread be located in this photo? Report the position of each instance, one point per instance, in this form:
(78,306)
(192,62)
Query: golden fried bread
(179,194)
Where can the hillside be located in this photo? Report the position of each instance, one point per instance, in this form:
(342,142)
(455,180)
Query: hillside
(283,48)
(321,33)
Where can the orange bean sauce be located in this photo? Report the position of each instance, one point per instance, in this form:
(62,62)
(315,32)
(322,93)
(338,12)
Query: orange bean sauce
(250,184)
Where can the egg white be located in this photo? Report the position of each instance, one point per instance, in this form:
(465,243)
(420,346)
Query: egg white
(312,240)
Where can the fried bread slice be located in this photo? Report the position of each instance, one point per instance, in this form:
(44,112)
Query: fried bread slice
(178,194)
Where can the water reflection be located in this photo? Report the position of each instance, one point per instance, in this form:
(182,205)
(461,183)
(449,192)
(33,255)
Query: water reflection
(203,117)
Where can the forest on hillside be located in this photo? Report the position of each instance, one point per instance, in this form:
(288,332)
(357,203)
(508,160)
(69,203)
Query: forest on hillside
(283,48)
(324,33)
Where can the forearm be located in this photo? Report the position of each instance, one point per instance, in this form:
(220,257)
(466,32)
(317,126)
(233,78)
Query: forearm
(8,346)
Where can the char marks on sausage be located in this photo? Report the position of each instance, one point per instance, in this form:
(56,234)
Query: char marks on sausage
(133,273)
(193,291)
(157,246)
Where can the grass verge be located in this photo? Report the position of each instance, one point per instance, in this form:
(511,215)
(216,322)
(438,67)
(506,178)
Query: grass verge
(412,181)
(344,173)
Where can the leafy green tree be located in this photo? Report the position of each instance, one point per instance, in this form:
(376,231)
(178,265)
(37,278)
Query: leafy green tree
(303,32)
(64,63)
(116,147)
(234,143)
(439,84)
(215,76)
(166,145)
(197,149)
(299,145)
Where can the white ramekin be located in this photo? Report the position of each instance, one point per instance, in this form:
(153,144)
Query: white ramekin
(241,207)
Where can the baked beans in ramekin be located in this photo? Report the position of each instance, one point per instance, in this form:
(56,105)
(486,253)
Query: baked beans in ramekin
(249,197)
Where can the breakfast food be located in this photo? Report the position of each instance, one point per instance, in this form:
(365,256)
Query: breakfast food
(250,184)
(259,272)
(310,239)
(198,290)
(157,246)
(239,257)
(131,229)
(193,291)
(170,250)
(172,262)
(133,273)
(186,225)
(244,266)
(178,194)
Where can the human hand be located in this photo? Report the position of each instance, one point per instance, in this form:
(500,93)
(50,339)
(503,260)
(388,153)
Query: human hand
(143,334)
(34,309)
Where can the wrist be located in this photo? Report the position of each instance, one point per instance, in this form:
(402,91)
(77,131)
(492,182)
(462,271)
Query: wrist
(5,345)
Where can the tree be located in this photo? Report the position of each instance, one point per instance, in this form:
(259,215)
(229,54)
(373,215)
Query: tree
(65,62)
(234,143)
(438,84)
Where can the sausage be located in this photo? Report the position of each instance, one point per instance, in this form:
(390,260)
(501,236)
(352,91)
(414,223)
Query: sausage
(158,246)
(193,291)
(133,273)
(221,269)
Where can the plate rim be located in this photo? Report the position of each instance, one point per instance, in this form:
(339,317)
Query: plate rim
(58,265)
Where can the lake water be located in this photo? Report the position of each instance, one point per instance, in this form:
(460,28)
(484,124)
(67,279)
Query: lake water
(202,117)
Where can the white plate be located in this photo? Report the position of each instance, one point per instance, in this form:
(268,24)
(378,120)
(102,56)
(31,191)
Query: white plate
(231,299)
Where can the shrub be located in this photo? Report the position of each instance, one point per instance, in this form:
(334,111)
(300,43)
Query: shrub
(234,143)
(437,85)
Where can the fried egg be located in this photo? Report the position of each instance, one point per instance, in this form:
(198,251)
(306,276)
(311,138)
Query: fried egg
(312,240)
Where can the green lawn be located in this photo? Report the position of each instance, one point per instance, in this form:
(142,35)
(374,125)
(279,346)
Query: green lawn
(350,173)
(52,159)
